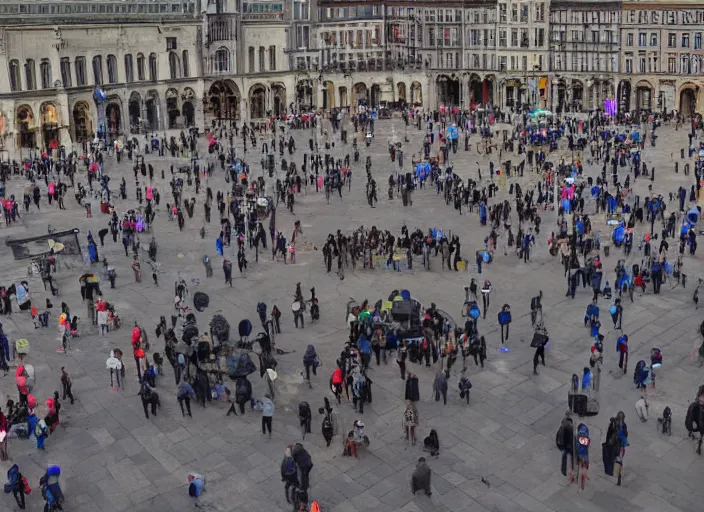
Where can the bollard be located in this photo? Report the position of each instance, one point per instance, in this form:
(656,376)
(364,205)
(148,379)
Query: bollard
(686,169)
(682,153)
(677,167)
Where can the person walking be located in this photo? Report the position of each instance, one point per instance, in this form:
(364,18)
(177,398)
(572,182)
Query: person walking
(310,360)
(184,394)
(66,384)
(267,414)
(565,442)
(410,422)
(440,387)
(538,356)
(401,354)
(16,485)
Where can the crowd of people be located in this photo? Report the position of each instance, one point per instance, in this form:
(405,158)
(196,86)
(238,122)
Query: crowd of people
(376,335)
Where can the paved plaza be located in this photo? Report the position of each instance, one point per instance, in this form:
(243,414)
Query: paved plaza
(113,459)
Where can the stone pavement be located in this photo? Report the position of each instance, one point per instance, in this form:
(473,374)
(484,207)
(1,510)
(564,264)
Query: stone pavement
(114,459)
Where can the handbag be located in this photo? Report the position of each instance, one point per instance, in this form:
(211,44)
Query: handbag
(25,484)
(539,340)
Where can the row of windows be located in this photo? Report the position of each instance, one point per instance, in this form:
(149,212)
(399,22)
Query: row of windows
(222,62)
(520,13)
(686,39)
(683,64)
(92,8)
(177,68)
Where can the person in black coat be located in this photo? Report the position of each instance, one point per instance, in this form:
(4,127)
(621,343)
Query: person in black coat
(304,464)
(412,391)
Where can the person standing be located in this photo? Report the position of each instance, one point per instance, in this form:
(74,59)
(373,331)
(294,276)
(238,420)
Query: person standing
(66,384)
(15,484)
(410,422)
(401,359)
(289,473)
(310,360)
(267,414)
(565,442)
(420,481)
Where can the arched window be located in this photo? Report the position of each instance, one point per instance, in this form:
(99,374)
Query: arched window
(98,70)
(250,57)
(185,63)
(112,69)
(153,70)
(80,71)
(140,66)
(272,58)
(15,79)
(30,77)
(222,60)
(45,73)
(129,68)
(262,59)
(66,72)
(174,66)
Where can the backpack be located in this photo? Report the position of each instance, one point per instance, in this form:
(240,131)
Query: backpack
(261,308)
(327,422)
(289,466)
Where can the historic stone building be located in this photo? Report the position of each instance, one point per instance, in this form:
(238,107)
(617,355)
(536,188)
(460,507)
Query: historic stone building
(75,70)
(55,56)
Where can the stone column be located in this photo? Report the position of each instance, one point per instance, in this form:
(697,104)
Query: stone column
(63,113)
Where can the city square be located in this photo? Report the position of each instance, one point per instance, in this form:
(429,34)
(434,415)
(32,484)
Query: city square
(497,453)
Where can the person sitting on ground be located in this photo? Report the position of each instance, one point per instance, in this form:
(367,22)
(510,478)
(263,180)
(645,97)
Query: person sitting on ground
(432,444)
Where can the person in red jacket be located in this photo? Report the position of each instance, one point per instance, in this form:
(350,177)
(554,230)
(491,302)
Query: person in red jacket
(336,383)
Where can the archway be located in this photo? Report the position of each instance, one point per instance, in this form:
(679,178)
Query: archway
(416,94)
(360,94)
(474,88)
(488,90)
(644,95)
(257,102)
(344,102)
(375,96)
(688,100)
(50,125)
(134,112)
(328,95)
(25,127)
(278,93)
(448,88)
(304,94)
(623,93)
(113,115)
(577,99)
(224,100)
(172,111)
(152,107)
(82,122)
(401,92)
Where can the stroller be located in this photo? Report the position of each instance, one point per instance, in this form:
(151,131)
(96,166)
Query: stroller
(245,329)
(641,375)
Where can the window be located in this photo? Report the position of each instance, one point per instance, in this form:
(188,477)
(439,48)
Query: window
(653,39)
(80,71)
(698,41)
(541,37)
(250,57)
(174,66)
(641,64)
(671,40)
(642,39)
(502,16)
(514,13)
(45,72)
(672,64)
(524,63)
(272,58)
(262,62)
(29,75)
(153,71)
(431,36)
(112,69)
(129,69)
(97,70)
(170,43)
(140,66)
(222,60)
(303,36)
(524,13)
(186,70)
(684,63)
(300,10)
(685,40)
(15,80)
(502,63)
(502,38)
(514,37)
(629,65)
(629,39)
(66,72)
